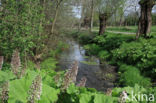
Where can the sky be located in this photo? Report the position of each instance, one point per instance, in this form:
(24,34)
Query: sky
(77,11)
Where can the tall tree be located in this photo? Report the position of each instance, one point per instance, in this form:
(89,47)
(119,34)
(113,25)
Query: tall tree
(145,20)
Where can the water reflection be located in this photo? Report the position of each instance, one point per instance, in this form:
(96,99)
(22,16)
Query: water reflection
(88,66)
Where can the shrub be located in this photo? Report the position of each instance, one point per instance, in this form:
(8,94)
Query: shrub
(138,53)
(111,41)
(104,55)
(132,76)
(86,37)
(92,49)
(21,29)
(49,63)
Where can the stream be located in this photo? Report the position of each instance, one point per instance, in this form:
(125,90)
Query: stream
(99,76)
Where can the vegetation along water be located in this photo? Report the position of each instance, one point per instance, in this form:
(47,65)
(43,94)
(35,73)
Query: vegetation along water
(77,51)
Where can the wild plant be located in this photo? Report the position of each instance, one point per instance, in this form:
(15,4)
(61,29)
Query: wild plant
(82,82)
(16,63)
(70,75)
(5,93)
(35,90)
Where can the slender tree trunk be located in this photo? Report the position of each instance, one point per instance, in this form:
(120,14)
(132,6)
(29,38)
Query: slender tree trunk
(121,18)
(82,15)
(55,16)
(103,21)
(145,20)
(92,14)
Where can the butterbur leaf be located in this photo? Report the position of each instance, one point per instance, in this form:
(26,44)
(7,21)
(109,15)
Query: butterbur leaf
(85,98)
(6,76)
(18,89)
(72,89)
(100,98)
(49,94)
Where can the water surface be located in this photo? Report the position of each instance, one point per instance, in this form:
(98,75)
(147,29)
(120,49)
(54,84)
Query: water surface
(100,77)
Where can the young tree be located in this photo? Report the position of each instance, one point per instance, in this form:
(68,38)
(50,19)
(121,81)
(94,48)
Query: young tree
(145,20)
(91,15)
(58,4)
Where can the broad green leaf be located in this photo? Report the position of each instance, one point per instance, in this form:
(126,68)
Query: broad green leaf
(49,94)
(85,98)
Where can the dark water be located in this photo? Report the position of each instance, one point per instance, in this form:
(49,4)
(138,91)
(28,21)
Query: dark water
(100,77)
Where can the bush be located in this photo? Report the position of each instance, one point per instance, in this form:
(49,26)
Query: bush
(49,63)
(92,49)
(138,53)
(132,76)
(86,37)
(21,29)
(104,55)
(111,41)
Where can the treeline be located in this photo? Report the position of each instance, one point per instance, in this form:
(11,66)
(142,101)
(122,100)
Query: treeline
(118,13)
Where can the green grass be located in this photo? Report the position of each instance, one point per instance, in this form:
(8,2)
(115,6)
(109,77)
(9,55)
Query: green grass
(129,29)
(123,29)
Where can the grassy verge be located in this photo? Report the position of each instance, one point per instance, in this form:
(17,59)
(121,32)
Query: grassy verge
(128,29)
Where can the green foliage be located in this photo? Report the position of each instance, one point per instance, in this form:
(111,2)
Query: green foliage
(92,49)
(85,37)
(51,93)
(130,76)
(111,41)
(123,29)
(21,27)
(136,89)
(31,65)
(100,98)
(49,63)
(138,53)
(85,98)
(18,88)
(137,56)
(6,76)
(104,55)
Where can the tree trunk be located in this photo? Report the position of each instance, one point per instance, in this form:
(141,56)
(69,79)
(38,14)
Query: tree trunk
(82,15)
(55,16)
(121,18)
(145,20)
(103,21)
(54,21)
(92,14)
